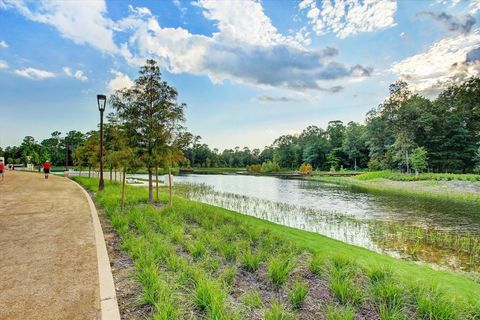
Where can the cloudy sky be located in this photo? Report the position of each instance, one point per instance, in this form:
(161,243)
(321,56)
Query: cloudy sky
(248,70)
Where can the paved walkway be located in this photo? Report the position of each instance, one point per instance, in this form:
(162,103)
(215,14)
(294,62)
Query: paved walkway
(48,257)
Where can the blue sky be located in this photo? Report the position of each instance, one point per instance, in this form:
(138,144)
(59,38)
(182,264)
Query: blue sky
(248,70)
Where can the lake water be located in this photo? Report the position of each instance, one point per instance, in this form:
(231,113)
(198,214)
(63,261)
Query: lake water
(440,233)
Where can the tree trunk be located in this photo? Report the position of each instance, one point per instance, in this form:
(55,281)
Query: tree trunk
(406,158)
(111,172)
(170,185)
(89,172)
(150,185)
(355,160)
(123,189)
(115,174)
(156,182)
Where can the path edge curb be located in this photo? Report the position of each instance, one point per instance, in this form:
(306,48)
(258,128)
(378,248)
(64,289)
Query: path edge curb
(108,297)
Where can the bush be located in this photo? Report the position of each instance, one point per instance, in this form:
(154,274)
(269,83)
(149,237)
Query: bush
(306,168)
(270,166)
(254,168)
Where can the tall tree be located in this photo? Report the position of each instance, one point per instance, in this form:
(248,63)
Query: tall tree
(354,141)
(150,113)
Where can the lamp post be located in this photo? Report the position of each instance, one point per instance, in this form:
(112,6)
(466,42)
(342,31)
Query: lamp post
(101,101)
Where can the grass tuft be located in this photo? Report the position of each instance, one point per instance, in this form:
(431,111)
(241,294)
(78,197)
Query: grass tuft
(297,293)
(279,269)
(278,312)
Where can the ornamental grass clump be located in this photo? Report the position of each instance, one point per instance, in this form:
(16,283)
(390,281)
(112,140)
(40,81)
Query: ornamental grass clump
(279,269)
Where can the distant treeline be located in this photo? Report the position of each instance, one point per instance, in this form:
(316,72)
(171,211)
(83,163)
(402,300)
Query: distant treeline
(406,131)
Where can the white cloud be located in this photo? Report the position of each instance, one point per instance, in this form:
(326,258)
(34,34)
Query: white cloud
(349,17)
(120,81)
(247,48)
(83,23)
(3,64)
(449,60)
(34,74)
(3,44)
(79,75)
(474,6)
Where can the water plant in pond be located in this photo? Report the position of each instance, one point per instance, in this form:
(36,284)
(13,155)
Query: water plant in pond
(454,249)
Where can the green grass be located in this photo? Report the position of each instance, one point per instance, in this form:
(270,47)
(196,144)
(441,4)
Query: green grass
(297,293)
(334,313)
(251,261)
(252,299)
(279,268)
(397,176)
(378,187)
(278,312)
(164,245)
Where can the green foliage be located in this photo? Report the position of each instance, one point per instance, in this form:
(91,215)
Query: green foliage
(339,313)
(297,293)
(254,168)
(317,265)
(419,159)
(395,176)
(251,261)
(252,299)
(269,167)
(278,312)
(431,304)
(279,269)
(179,286)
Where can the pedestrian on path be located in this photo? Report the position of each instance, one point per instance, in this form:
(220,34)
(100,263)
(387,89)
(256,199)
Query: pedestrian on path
(2,169)
(46,168)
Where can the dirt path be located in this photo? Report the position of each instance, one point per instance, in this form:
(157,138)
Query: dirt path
(48,262)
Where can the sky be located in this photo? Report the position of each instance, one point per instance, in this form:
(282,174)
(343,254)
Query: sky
(249,71)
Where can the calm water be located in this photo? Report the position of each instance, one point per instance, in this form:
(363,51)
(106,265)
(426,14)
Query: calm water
(441,233)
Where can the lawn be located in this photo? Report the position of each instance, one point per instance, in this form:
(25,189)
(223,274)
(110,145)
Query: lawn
(199,261)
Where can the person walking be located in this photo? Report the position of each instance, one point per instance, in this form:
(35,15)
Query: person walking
(46,168)
(2,169)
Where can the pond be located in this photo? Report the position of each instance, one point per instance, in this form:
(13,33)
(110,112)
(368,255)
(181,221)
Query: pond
(440,233)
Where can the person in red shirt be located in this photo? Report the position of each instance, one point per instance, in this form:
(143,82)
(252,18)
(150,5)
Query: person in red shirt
(2,168)
(46,168)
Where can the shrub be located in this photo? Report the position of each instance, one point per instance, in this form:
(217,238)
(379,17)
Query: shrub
(269,166)
(254,168)
(298,293)
(305,168)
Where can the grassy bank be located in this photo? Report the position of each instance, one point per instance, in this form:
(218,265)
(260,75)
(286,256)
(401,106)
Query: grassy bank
(195,260)
(396,176)
(422,188)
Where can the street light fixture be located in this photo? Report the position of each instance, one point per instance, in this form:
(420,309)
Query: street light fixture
(102,102)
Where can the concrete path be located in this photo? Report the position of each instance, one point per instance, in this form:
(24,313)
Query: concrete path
(48,254)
